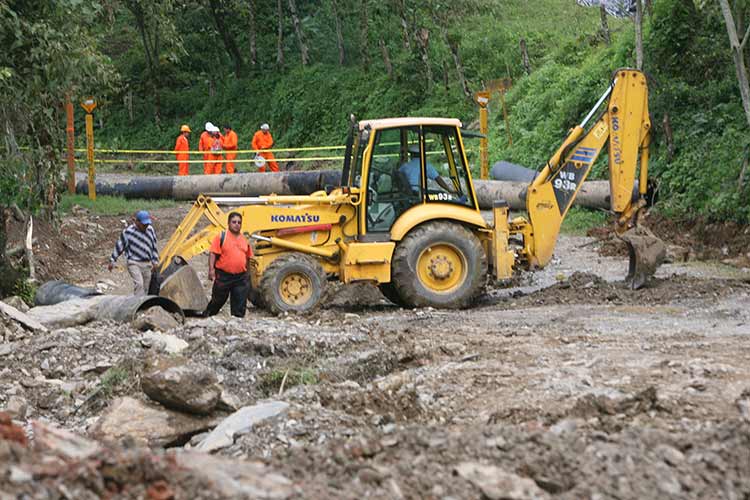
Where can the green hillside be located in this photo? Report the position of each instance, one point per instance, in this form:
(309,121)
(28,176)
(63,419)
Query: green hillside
(189,75)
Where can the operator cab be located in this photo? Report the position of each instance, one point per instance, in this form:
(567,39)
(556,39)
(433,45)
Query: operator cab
(408,162)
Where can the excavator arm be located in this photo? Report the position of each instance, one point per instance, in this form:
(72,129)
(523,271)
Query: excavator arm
(624,126)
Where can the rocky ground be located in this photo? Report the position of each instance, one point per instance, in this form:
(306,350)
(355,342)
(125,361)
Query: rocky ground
(566,385)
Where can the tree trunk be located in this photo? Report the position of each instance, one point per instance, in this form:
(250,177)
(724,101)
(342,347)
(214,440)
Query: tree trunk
(668,136)
(219,13)
(605,25)
(638,34)
(364,22)
(339,33)
(423,39)
(737,47)
(300,35)
(525,57)
(404,24)
(445,76)
(151,51)
(386,58)
(453,46)
(280,36)
(129,101)
(252,35)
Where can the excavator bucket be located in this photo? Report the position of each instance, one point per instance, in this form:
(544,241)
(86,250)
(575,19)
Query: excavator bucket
(184,287)
(646,252)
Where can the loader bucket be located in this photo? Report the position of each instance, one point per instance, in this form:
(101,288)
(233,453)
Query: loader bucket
(646,252)
(185,288)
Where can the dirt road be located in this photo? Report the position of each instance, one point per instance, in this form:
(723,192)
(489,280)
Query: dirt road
(565,386)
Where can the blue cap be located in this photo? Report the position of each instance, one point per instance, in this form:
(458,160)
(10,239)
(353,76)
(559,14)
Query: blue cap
(143,217)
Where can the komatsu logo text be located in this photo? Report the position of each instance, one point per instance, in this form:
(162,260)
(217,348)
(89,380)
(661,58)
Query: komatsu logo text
(295,218)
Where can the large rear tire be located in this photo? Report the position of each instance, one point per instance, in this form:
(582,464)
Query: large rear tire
(294,282)
(439,264)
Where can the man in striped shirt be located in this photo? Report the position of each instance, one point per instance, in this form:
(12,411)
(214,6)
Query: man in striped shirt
(138,241)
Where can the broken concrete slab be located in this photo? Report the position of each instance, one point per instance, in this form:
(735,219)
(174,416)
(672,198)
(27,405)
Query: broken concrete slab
(26,320)
(240,422)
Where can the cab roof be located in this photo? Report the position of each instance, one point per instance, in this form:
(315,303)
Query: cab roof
(408,122)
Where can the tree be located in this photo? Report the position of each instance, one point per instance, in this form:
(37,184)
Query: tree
(300,35)
(364,40)
(737,47)
(279,35)
(339,34)
(219,13)
(48,50)
(638,34)
(153,19)
(252,35)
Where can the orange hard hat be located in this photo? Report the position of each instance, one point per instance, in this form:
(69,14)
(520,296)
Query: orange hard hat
(184,128)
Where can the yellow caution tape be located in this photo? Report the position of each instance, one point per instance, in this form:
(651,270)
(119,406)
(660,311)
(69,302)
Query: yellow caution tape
(155,151)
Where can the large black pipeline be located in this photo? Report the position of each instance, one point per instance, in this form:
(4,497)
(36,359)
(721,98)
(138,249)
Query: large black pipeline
(56,291)
(593,194)
(190,186)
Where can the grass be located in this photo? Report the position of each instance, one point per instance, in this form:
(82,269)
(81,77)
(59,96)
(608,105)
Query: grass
(271,381)
(579,220)
(111,205)
(112,379)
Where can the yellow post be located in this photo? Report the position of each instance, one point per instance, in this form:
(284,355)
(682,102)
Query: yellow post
(69,132)
(483,98)
(89,104)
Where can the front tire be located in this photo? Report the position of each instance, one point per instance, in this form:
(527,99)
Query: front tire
(294,282)
(439,264)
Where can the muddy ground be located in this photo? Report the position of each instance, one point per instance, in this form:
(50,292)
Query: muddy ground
(567,380)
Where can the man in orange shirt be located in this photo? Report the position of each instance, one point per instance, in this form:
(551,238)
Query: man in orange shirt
(228,261)
(229,144)
(216,156)
(263,140)
(183,147)
(205,145)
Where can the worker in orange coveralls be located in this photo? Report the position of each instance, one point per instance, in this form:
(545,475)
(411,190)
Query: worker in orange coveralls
(229,144)
(205,145)
(183,147)
(263,140)
(216,150)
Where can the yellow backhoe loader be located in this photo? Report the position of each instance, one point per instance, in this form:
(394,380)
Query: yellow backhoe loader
(406,218)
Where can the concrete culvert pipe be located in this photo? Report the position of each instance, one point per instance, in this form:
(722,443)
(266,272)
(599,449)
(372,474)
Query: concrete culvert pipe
(125,308)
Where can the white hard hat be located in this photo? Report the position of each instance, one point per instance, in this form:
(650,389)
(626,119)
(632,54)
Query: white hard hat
(214,128)
(209,126)
(264,126)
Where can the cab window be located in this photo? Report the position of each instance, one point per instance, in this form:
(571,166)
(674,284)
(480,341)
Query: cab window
(445,173)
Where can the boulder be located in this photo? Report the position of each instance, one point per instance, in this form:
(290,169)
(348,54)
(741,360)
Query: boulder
(155,318)
(168,343)
(148,424)
(181,384)
(235,478)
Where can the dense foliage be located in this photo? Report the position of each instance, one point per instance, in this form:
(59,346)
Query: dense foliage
(304,65)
